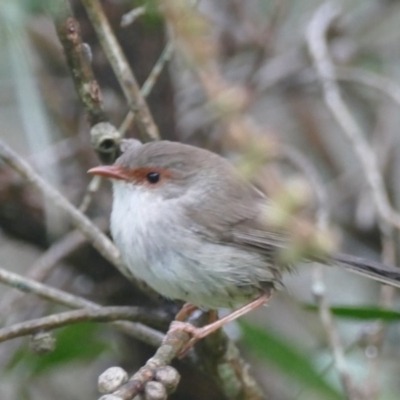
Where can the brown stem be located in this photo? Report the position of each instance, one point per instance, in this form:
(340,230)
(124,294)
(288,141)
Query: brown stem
(122,70)
(104,314)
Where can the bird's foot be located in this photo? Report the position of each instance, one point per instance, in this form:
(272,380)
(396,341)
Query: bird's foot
(200,333)
(195,333)
(185,312)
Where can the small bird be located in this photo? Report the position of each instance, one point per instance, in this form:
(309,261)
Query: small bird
(191,227)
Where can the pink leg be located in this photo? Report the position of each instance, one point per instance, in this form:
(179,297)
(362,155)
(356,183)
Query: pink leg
(185,312)
(212,316)
(200,333)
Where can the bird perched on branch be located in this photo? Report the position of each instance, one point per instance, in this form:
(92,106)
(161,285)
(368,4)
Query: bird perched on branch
(193,229)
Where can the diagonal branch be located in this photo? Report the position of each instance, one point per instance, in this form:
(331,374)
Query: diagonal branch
(104,314)
(122,70)
(149,84)
(136,330)
(99,240)
(317,29)
(78,59)
(44,265)
(318,47)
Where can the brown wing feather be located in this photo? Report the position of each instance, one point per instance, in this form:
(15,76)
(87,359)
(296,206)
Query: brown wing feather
(239,224)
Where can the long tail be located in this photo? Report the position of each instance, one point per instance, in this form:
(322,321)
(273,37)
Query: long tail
(370,269)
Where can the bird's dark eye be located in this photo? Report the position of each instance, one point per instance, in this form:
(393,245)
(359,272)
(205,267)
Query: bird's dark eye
(153,177)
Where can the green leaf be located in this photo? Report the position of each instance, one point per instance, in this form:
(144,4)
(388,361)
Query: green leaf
(361,313)
(79,342)
(288,360)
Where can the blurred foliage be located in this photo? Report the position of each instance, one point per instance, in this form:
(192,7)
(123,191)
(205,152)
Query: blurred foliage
(284,356)
(152,18)
(80,342)
(34,6)
(361,313)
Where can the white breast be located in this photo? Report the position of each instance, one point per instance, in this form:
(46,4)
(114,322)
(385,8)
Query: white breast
(145,230)
(172,259)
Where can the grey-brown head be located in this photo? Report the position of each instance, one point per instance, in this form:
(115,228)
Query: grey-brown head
(171,169)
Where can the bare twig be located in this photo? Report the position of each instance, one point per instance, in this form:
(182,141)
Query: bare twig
(386,86)
(101,242)
(172,344)
(130,117)
(43,266)
(223,360)
(78,55)
(332,334)
(79,60)
(228,102)
(317,29)
(89,230)
(104,314)
(302,163)
(220,355)
(121,69)
(149,83)
(157,69)
(376,331)
(131,16)
(92,188)
(318,47)
(318,287)
(136,330)
(391,89)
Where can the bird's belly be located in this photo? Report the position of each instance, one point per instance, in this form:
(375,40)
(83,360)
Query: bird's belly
(177,263)
(176,272)
(180,279)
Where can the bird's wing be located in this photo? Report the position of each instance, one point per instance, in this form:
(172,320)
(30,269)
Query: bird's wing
(237,222)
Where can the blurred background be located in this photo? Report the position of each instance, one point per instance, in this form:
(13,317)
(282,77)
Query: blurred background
(260,46)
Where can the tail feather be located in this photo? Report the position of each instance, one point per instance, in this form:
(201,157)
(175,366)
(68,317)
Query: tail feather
(371,269)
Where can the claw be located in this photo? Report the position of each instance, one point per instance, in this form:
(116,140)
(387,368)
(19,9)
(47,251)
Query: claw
(200,333)
(178,326)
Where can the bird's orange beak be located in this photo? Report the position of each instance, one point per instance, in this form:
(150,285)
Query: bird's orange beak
(110,171)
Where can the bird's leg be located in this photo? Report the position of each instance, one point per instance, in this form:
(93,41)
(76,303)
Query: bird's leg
(185,312)
(200,333)
(212,316)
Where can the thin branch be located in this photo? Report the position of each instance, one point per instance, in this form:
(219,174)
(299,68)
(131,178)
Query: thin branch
(121,69)
(44,265)
(149,83)
(219,356)
(222,359)
(92,188)
(104,314)
(391,89)
(317,29)
(386,86)
(165,56)
(302,162)
(130,117)
(332,334)
(318,47)
(79,60)
(100,241)
(172,344)
(318,286)
(136,330)
(131,16)
(167,349)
